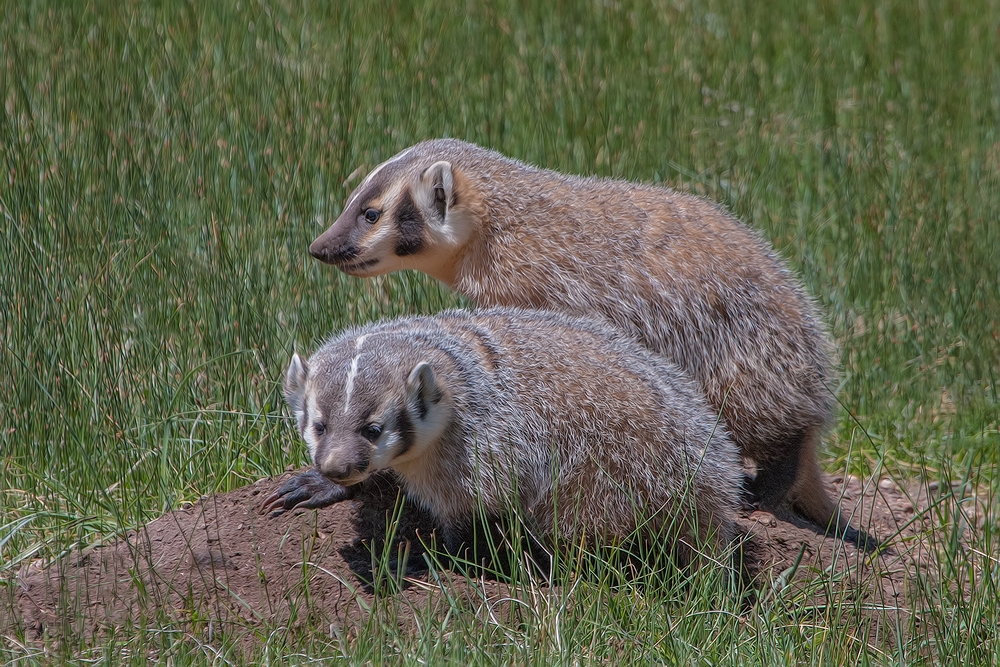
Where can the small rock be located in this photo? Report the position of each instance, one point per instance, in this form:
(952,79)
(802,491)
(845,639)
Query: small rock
(887,484)
(764,518)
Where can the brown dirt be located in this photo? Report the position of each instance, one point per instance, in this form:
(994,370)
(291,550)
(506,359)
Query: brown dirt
(220,562)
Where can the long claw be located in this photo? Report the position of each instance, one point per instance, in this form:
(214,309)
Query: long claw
(308,490)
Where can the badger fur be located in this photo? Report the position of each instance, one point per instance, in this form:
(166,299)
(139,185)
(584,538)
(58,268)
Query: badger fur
(676,272)
(558,420)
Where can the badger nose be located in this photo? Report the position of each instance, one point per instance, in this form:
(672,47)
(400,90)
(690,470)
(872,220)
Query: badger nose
(335,471)
(339,471)
(319,252)
(331,254)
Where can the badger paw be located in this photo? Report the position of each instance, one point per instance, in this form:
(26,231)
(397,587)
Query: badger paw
(308,490)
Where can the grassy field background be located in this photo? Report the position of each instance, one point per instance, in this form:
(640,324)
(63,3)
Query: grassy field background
(163,167)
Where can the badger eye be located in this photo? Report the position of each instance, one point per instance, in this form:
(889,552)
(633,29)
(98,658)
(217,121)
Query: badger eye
(372,215)
(320,428)
(371,432)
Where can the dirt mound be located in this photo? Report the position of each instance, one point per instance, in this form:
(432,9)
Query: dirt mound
(221,562)
(815,572)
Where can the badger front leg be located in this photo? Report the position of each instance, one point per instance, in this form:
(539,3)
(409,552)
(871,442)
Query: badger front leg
(308,490)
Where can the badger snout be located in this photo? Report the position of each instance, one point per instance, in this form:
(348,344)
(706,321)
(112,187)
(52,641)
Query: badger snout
(332,252)
(342,471)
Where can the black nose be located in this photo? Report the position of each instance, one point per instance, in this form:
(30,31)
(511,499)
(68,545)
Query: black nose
(319,253)
(336,472)
(341,467)
(332,255)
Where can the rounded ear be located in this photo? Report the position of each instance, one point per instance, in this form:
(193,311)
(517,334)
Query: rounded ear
(440,182)
(422,389)
(295,382)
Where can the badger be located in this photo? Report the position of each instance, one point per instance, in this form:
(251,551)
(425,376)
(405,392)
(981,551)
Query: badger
(559,421)
(674,271)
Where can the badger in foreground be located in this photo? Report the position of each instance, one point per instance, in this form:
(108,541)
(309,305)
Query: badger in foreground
(674,271)
(556,420)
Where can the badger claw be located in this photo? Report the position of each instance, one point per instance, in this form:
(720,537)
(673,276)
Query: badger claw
(308,490)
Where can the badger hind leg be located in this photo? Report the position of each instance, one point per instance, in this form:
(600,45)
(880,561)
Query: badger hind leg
(793,479)
(776,474)
(809,498)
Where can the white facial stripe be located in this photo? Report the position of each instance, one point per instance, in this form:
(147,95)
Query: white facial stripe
(384,230)
(350,382)
(353,371)
(308,433)
(370,176)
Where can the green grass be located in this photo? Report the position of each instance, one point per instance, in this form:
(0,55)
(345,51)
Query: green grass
(163,167)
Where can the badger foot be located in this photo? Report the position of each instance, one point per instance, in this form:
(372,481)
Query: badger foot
(308,490)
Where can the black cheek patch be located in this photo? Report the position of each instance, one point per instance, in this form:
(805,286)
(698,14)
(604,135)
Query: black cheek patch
(404,425)
(410,224)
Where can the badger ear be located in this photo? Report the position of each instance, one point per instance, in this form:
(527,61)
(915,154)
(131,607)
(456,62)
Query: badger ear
(438,183)
(295,383)
(422,389)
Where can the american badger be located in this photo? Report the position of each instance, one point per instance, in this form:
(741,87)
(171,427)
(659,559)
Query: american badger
(560,420)
(676,272)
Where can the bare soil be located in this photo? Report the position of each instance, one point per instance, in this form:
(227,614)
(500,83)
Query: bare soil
(220,562)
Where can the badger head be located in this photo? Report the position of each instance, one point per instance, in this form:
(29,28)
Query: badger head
(362,410)
(406,214)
